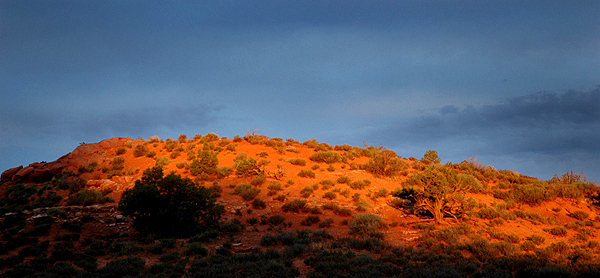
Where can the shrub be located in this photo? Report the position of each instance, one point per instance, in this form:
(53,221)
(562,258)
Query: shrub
(306,173)
(343,179)
(125,267)
(326,223)
(88,168)
(306,191)
(258,180)
(140,150)
(488,213)
(385,162)
(310,220)
(121,151)
(557,231)
(169,204)
(326,157)
(223,171)
(294,206)
(205,164)
(381,193)
(297,161)
(579,215)
(196,248)
(360,184)
(329,195)
(259,204)
(87,197)
(275,220)
(367,225)
(331,168)
(245,166)
(246,191)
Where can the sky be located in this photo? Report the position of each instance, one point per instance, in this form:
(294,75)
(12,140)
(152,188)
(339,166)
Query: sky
(515,84)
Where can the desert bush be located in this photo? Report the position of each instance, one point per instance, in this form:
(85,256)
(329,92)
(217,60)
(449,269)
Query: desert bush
(306,173)
(557,231)
(488,213)
(223,171)
(296,205)
(245,166)
(579,215)
(124,267)
(275,220)
(246,191)
(88,168)
(258,180)
(385,162)
(360,184)
(329,195)
(170,145)
(310,220)
(343,179)
(367,225)
(326,157)
(205,164)
(326,223)
(162,161)
(259,204)
(215,190)
(169,204)
(140,150)
(87,197)
(151,154)
(121,151)
(382,192)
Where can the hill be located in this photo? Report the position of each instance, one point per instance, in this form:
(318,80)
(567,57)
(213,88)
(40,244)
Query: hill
(295,209)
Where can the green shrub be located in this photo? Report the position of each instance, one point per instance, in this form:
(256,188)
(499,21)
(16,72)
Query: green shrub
(360,184)
(367,225)
(169,204)
(223,171)
(87,197)
(275,220)
(326,223)
(196,248)
(258,180)
(245,166)
(326,157)
(205,164)
(306,173)
(246,191)
(296,205)
(343,179)
(385,162)
(382,192)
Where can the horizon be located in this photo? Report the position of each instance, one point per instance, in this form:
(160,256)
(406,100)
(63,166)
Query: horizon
(515,86)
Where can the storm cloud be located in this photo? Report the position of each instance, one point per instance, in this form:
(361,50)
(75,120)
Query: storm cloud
(541,128)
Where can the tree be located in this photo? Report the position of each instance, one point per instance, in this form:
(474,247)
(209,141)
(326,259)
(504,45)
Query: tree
(441,193)
(431,156)
(169,204)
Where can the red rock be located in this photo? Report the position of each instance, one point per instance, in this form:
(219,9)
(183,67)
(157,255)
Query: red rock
(8,174)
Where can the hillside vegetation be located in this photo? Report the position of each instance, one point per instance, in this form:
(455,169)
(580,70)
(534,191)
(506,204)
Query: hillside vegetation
(210,206)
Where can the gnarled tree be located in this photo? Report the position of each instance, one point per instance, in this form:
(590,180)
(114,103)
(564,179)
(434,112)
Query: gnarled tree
(438,190)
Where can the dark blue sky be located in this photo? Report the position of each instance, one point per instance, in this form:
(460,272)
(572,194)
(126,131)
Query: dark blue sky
(514,83)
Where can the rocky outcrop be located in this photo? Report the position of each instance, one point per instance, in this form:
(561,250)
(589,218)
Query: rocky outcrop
(35,172)
(9,174)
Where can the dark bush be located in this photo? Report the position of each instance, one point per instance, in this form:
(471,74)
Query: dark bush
(294,206)
(169,204)
(367,225)
(297,161)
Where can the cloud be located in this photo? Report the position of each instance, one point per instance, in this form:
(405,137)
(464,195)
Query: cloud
(517,131)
